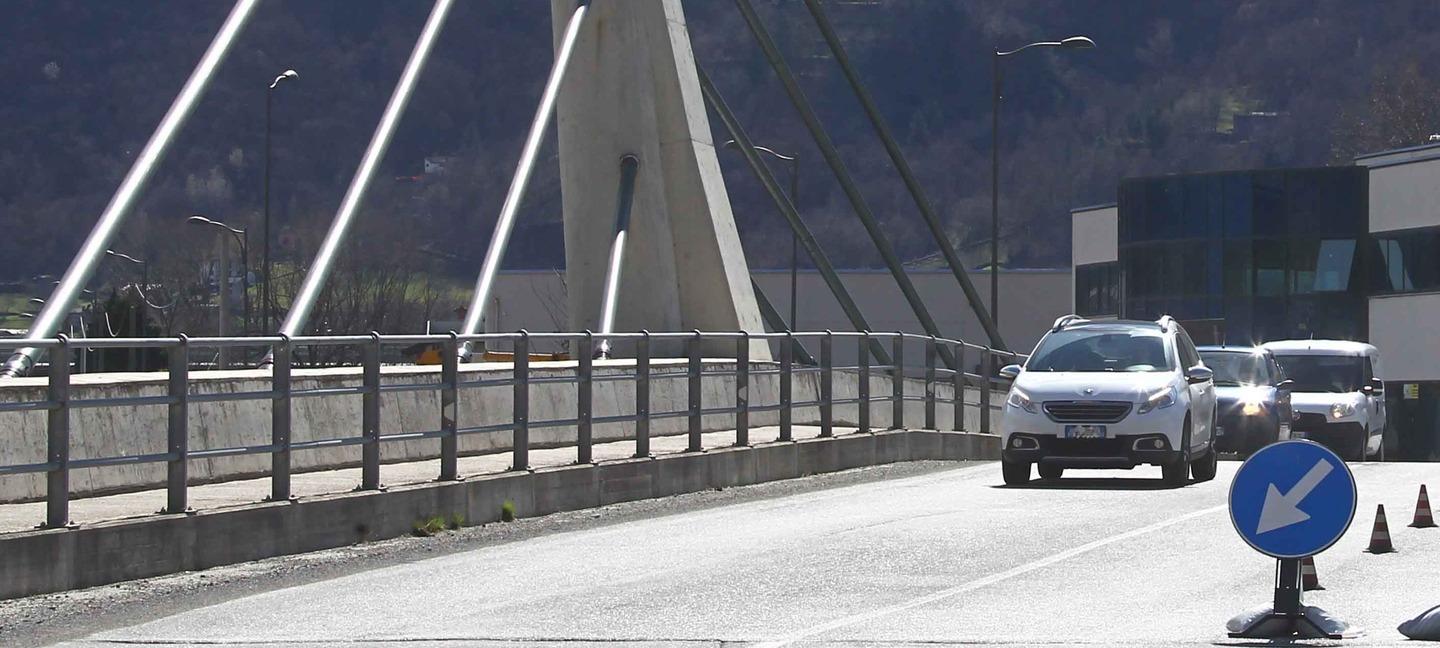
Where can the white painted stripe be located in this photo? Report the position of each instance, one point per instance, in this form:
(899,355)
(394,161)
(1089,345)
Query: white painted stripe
(983,582)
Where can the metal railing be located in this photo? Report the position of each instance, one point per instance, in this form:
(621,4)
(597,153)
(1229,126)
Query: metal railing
(180,396)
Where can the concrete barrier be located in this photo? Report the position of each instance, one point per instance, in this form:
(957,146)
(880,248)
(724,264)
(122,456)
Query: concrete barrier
(37,562)
(136,430)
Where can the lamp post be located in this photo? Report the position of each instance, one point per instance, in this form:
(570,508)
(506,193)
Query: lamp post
(1073,42)
(794,161)
(137,314)
(241,237)
(267,294)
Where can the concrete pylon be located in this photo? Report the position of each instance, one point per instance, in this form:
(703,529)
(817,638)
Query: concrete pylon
(633,89)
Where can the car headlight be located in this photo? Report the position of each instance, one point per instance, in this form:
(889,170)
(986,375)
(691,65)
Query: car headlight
(1021,400)
(1159,400)
(1252,401)
(1341,410)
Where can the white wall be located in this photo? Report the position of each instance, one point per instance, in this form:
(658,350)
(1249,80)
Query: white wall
(1405,196)
(1399,328)
(1094,238)
(1095,234)
(1030,300)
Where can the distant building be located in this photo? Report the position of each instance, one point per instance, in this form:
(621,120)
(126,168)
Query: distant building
(1250,124)
(439,164)
(1244,257)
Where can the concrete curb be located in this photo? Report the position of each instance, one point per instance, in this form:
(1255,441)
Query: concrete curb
(52,560)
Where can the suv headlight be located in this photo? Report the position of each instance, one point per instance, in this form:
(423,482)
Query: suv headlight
(1021,400)
(1342,410)
(1158,400)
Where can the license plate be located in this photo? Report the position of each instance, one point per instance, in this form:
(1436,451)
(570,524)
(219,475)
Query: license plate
(1084,431)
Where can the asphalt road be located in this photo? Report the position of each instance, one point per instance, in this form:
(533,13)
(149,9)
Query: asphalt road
(945,557)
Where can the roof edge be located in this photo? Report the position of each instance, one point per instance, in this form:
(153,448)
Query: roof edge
(1089,208)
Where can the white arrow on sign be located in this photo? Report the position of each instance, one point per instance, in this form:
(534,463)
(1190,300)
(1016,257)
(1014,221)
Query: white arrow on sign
(1280,511)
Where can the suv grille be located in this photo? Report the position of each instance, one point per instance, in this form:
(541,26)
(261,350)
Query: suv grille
(1087,411)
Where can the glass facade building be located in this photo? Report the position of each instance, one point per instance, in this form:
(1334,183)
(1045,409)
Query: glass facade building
(1251,256)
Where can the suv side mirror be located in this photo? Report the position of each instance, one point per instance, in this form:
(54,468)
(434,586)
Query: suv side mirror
(1010,372)
(1285,385)
(1199,374)
(1376,387)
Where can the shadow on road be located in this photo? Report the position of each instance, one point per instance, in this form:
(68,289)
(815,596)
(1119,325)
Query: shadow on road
(1093,483)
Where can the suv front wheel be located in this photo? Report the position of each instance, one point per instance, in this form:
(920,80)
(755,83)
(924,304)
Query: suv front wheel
(1177,472)
(1015,472)
(1204,468)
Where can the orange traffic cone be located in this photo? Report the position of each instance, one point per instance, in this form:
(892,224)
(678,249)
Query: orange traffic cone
(1380,536)
(1309,580)
(1423,518)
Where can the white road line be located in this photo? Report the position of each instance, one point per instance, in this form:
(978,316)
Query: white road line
(983,582)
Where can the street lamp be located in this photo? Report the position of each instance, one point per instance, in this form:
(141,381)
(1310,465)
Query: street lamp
(794,161)
(242,237)
(223,282)
(1073,42)
(137,314)
(267,294)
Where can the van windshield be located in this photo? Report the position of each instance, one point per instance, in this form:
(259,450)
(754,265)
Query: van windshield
(1323,373)
(1101,350)
(1232,368)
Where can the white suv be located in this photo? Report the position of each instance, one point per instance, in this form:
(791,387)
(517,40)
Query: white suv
(1110,394)
(1338,396)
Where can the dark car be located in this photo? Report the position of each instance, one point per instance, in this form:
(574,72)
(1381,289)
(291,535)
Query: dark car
(1252,396)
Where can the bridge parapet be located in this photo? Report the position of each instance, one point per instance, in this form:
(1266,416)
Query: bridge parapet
(99,433)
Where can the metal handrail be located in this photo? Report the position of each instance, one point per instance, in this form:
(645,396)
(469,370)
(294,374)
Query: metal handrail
(643,371)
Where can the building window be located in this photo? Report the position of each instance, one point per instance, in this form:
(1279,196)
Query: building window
(1270,254)
(1097,289)
(1321,266)
(1408,262)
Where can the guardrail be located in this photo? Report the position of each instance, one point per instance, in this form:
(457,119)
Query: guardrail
(58,404)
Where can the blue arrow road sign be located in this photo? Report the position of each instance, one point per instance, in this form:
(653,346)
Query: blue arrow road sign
(1292,499)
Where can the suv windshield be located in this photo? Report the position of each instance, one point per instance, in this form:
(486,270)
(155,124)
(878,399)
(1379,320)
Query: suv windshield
(1236,368)
(1101,350)
(1323,373)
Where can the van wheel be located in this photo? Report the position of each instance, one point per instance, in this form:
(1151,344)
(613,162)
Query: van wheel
(1051,472)
(1015,473)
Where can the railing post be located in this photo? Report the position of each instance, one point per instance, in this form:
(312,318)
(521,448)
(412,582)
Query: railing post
(57,426)
(827,384)
(930,384)
(449,409)
(958,380)
(985,362)
(280,421)
(177,425)
(694,371)
(584,398)
(742,390)
(522,402)
(787,365)
(897,384)
(642,395)
(370,416)
(863,350)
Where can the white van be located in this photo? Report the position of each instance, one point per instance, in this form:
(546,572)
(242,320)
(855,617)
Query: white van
(1338,395)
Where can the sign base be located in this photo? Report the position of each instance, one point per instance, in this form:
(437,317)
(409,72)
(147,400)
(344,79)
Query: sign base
(1284,625)
(1289,619)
